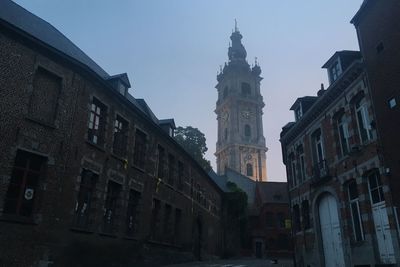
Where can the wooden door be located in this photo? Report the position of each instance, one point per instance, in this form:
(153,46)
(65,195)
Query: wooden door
(330,232)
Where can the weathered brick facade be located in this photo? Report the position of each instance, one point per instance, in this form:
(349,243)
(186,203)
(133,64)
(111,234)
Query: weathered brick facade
(342,208)
(71,190)
(377,24)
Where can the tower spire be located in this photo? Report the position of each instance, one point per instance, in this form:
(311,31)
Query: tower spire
(236,28)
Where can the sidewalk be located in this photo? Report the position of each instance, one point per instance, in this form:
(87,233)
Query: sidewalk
(245,262)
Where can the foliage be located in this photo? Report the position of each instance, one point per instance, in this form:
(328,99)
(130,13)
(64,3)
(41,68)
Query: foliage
(194,142)
(237,215)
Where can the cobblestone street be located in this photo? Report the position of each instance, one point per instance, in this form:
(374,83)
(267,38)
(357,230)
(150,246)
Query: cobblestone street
(238,263)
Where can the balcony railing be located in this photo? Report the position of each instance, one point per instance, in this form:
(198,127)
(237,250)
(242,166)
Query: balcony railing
(321,172)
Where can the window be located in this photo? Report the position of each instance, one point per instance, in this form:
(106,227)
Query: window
(167,223)
(249,170)
(139,154)
(246,89)
(97,121)
(363,122)
(110,206)
(292,162)
(335,71)
(301,163)
(171,169)
(343,132)
(305,212)
(298,113)
(154,223)
(247,130)
(44,99)
(392,102)
(132,212)
(320,168)
(21,193)
(180,175)
(319,149)
(161,155)
(83,206)
(296,218)
(269,219)
(375,188)
(226,134)
(120,136)
(355,211)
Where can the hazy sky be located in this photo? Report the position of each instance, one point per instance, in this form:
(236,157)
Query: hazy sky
(172,50)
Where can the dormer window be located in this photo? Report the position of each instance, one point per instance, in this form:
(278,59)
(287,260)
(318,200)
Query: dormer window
(298,113)
(121,88)
(335,71)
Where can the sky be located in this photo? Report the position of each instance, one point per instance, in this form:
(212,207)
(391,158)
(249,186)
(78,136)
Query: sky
(172,50)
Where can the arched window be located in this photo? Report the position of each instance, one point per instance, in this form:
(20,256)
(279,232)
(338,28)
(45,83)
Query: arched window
(247,130)
(246,89)
(249,169)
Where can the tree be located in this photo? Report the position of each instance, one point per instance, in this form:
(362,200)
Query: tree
(194,142)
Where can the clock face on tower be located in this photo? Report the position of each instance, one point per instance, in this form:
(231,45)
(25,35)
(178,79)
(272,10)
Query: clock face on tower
(246,114)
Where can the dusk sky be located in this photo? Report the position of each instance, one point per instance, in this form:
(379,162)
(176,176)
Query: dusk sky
(172,50)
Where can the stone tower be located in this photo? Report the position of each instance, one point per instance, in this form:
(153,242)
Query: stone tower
(241,143)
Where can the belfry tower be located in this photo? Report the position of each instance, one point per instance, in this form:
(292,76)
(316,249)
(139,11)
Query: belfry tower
(241,143)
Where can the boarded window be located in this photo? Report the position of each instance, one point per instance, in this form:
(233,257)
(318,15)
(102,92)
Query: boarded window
(23,186)
(83,204)
(120,136)
(46,90)
(139,154)
(132,212)
(110,206)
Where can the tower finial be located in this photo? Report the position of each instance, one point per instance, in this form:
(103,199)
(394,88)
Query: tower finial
(236,28)
(255,61)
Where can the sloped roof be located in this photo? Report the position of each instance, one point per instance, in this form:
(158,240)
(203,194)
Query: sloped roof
(40,29)
(220,180)
(243,182)
(273,192)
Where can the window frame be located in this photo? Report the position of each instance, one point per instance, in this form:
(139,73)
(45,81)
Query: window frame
(25,200)
(363,121)
(355,203)
(97,122)
(120,136)
(140,149)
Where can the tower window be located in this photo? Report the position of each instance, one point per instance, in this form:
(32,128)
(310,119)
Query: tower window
(249,169)
(246,89)
(226,134)
(247,130)
(225,94)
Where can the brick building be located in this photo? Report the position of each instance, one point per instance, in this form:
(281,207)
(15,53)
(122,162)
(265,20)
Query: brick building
(88,174)
(377,24)
(270,227)
(342,206)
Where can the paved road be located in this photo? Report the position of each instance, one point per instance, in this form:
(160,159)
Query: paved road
(237,263)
